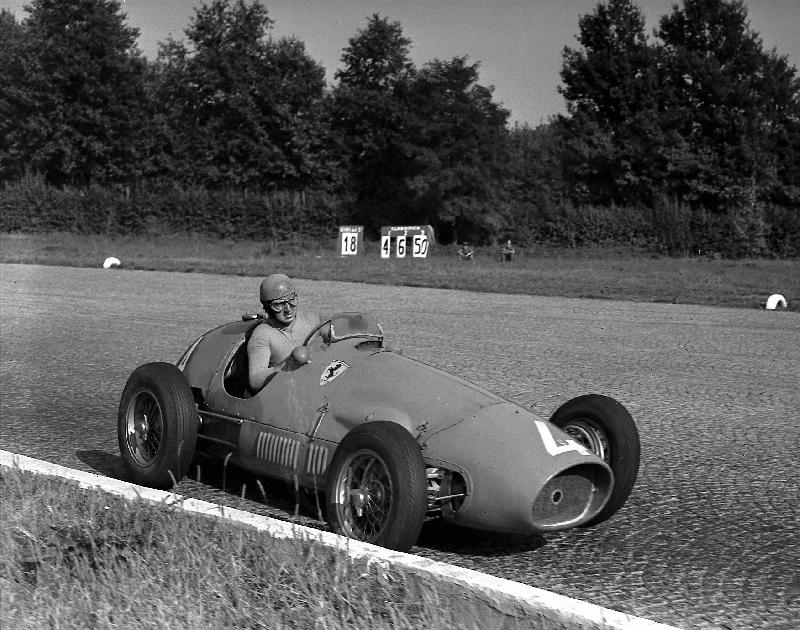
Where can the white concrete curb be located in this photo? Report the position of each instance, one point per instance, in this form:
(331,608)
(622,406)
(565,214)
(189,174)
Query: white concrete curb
(493,599)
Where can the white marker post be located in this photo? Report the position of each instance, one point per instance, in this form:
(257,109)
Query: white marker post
(111,261)
(774,301)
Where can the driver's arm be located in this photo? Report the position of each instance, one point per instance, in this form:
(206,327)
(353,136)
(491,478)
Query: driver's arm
(259,353)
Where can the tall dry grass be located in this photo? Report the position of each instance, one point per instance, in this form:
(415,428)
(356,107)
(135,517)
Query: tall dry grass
(72,558)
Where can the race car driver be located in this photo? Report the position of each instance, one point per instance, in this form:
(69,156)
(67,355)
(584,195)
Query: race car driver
(270,346)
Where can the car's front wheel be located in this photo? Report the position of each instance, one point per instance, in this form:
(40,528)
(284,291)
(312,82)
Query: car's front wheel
(157,425)
(604,426)
(376,488)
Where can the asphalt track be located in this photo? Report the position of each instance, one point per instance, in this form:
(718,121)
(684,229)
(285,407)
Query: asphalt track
(709,537)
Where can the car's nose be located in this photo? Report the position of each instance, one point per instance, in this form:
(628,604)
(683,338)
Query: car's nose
(522,473)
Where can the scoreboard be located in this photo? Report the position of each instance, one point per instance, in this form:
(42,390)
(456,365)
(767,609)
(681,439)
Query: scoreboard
(400,239)
(351,237)
(396,240)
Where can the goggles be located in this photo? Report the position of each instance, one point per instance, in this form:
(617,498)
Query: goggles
(278,305)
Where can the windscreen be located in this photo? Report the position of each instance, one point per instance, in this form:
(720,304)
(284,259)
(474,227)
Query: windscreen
(346,325)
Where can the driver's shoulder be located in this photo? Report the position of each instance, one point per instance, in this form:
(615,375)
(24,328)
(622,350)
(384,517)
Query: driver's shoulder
(262,333)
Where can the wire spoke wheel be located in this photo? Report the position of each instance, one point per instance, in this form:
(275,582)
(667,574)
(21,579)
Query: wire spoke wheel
(157,425)
(365,492)
(145,427)
(376,487)
(591,436)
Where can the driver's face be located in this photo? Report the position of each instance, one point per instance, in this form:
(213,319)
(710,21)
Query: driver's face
(283,310)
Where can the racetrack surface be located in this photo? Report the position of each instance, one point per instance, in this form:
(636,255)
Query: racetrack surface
(709,537)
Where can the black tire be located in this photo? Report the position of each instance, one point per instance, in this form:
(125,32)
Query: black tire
(605,427)
(157,425)
(386,504)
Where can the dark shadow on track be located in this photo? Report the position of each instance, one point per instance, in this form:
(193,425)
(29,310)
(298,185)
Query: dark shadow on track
(440,536)
(103,463)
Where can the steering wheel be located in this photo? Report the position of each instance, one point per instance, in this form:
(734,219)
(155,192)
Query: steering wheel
(325,335)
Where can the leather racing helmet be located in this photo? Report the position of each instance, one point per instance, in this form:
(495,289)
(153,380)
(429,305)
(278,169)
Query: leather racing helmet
(276,286)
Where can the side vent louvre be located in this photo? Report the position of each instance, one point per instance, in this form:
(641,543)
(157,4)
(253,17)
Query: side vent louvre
(317,460)
(278,450)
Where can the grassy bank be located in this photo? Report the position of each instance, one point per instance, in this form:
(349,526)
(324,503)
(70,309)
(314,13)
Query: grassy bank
(72,558)
(606,274)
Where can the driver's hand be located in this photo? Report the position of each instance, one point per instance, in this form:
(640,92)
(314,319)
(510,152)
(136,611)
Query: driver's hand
(325,333)
(299,357)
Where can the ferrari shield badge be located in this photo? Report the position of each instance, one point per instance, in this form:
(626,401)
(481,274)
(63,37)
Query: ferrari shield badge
(334,369)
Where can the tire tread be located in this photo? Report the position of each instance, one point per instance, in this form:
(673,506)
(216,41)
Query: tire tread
(394,443)
(179,414)
(625,452)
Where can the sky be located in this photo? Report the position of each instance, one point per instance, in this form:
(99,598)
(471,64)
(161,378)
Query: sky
(518,43)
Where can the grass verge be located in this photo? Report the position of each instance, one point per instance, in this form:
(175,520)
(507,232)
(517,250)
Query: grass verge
(606,274)
(73,558)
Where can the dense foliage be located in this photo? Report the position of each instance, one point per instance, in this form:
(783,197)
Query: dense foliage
(71,105)
(238,106)
(686,141)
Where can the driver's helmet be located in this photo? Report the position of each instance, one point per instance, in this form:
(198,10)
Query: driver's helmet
(276,286)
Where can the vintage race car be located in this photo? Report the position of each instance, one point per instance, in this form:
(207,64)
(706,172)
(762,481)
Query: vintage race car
(390,441)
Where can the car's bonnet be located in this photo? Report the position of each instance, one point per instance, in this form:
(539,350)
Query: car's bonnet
(388,386)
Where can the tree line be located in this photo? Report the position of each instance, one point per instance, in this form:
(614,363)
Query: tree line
(685,140)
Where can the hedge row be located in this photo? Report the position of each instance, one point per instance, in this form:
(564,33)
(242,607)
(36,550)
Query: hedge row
(32,206)
(751,229)
(754,229)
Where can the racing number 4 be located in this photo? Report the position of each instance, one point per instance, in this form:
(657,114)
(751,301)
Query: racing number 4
(557,447)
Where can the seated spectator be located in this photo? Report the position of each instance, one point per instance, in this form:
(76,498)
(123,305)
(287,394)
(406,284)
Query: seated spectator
(507,253)
(466,253)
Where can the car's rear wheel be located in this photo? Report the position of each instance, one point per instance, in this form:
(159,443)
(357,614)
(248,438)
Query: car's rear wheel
(604,426)
(377,488)
(157,425)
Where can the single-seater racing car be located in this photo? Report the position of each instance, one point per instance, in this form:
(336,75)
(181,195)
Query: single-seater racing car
(389,440)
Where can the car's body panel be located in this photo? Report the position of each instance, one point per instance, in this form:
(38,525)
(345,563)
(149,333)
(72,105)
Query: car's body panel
(388,386)
(520,474)
(509,464)
(205,357)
